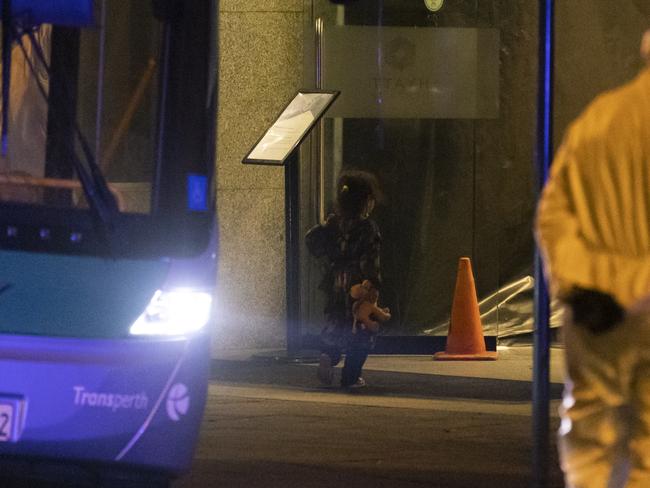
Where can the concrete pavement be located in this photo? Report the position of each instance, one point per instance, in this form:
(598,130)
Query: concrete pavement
(504,385)
(419,423)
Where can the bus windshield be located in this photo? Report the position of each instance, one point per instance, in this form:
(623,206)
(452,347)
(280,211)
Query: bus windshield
(109,119)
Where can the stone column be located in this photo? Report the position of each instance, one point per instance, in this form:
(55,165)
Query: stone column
(260,46)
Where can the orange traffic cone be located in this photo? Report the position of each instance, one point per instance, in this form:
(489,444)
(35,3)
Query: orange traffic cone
(465,337)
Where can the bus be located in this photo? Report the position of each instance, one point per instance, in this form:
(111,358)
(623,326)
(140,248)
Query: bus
(108,237)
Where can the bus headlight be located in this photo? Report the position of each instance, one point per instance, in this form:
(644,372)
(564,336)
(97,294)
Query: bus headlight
(174,312)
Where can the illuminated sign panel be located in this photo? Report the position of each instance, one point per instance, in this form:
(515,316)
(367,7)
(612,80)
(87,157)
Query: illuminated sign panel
(291,127)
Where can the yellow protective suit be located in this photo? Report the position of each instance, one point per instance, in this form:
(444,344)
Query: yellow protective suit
(593,228)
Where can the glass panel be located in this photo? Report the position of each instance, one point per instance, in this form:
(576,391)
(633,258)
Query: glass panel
(454,77)
(441,106)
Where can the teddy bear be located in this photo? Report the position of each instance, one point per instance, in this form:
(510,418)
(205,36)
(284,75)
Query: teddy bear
(365,310)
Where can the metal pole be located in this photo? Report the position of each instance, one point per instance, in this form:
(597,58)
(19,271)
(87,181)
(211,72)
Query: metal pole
(7,30)
(292,233)
(544,153)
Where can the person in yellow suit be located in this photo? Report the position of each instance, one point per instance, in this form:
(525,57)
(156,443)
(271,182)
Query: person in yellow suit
(593,229)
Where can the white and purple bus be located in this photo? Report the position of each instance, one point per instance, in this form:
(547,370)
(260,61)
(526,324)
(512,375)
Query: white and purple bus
(107,236)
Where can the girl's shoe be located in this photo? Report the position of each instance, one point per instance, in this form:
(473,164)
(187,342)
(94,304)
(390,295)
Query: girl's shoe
(361,383)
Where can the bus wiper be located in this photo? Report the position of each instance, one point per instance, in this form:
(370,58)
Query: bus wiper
(100,199)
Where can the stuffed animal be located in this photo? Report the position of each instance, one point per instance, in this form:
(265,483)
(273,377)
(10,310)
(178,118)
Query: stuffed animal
(365,310)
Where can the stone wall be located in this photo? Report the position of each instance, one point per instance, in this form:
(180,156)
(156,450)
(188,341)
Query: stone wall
(597,49)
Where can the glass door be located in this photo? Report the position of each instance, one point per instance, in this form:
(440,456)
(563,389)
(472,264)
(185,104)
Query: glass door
(438,99)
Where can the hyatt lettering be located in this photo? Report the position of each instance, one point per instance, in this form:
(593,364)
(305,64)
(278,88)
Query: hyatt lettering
(403,84)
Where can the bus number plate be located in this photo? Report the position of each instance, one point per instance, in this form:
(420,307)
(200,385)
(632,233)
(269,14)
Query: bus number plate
(7,413)
(12,417)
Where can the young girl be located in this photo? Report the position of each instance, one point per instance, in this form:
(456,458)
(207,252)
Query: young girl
(349,241)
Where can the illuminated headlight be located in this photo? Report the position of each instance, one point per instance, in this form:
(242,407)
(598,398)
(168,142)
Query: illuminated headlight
(174,312)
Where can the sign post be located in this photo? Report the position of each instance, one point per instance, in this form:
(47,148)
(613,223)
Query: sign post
(279,146)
